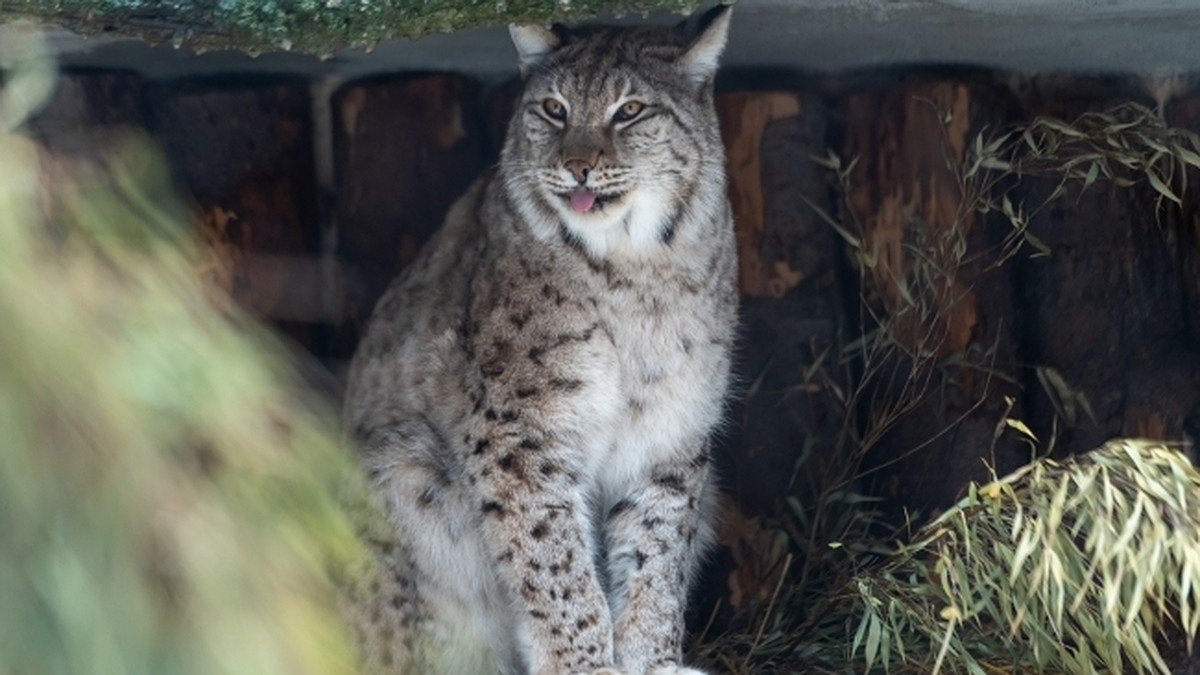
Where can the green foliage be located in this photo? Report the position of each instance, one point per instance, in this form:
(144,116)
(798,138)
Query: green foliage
(1079,566)
(313,26)
(168,493)
(1125,145)
(1074,566)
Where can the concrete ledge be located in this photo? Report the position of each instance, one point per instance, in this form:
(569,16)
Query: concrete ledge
(1119,36)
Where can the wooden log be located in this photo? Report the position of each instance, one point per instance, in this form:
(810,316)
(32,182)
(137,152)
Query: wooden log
(924,259)
(790,281)
(1162,397)
(1103,308)
(87,109)
(790,322)
(1066,94)
(1100,304)
(1162,387)
(745,117)
(1185,113)
(1181,420)
(404,150)
(243,149)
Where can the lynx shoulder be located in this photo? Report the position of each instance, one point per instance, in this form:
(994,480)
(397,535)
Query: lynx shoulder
(534,397)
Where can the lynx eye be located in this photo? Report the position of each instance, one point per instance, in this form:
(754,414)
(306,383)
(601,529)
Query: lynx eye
(628,111)
(554,109)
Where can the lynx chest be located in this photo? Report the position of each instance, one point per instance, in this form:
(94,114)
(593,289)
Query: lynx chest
(672,347)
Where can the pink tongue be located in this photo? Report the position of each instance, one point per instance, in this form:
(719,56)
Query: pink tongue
(582,200)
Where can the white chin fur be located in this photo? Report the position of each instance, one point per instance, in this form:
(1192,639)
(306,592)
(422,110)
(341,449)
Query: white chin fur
(634,224)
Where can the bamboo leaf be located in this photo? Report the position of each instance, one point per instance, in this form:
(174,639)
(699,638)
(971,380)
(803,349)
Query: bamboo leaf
(1161,187)
(1060,127)
(1188,157)
(1092,173)
(1021,427)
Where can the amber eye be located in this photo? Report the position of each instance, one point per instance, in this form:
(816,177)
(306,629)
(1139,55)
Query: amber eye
(628,111)
(555,109)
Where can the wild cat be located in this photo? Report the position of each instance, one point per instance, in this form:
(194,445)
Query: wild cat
(535,394)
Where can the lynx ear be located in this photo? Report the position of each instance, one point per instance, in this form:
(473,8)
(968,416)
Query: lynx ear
(710,29)
(533,44)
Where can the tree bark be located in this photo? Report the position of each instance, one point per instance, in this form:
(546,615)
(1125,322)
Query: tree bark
(404,151)
(86,109)
(243,149)
(1103,310)
(925,255)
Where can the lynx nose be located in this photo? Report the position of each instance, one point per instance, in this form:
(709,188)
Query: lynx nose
(579,168)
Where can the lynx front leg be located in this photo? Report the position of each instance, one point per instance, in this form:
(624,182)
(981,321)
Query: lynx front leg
(654,539)
(534,522)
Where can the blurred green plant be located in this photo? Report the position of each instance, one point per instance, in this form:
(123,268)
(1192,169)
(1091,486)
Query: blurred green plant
(168,491)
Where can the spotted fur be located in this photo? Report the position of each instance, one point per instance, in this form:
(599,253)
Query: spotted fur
(534,396)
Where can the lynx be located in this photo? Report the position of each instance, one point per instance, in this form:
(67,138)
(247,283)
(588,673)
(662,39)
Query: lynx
(534,396)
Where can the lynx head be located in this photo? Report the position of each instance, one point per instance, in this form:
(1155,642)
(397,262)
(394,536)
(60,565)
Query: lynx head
(615,138)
